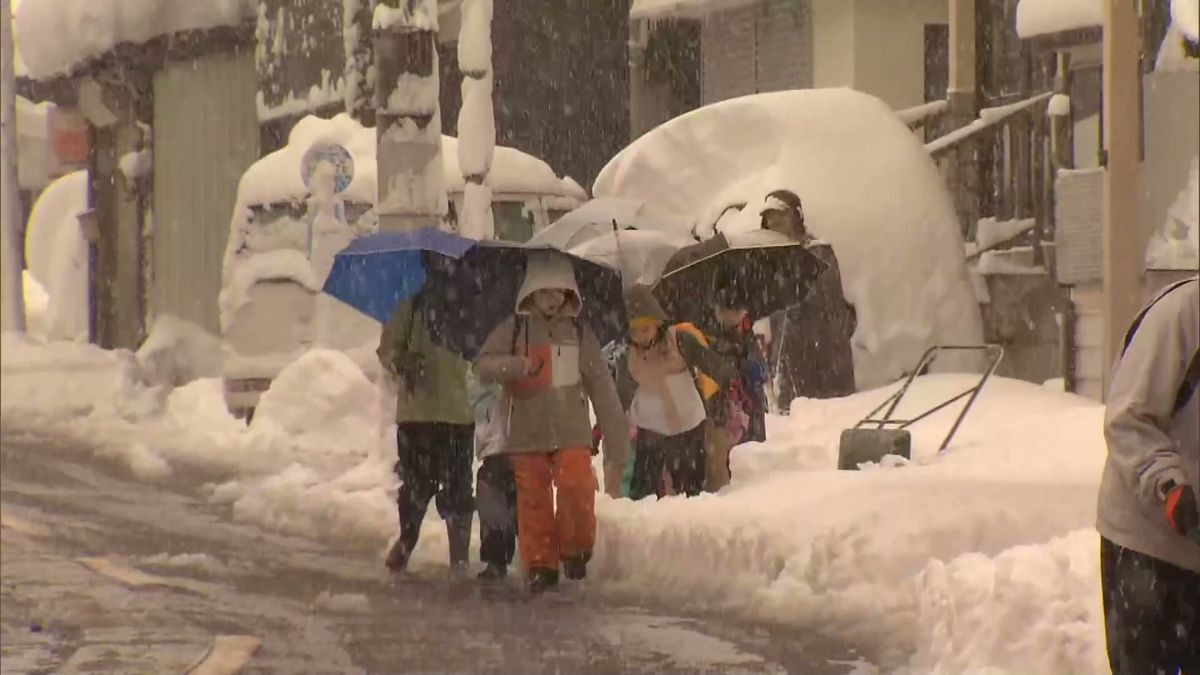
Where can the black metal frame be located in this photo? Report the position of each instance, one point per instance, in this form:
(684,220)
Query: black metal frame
(995,354)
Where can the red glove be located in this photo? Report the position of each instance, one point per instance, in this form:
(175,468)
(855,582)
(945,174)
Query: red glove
(595,439)
(1180,509)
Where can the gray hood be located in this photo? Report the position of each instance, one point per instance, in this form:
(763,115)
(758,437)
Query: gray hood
(549,269)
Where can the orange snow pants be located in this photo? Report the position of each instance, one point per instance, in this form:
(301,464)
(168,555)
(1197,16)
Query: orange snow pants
(544,536)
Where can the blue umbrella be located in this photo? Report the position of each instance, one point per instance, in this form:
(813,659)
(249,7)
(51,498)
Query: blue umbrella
(378,271)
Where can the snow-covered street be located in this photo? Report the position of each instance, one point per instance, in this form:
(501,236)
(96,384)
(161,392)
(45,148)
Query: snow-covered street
(101,571)
(981,557)
(784,336)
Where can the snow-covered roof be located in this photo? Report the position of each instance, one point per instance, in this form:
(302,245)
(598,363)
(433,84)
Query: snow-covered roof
(1040,17)
(276,177)
(55,35)
(868,187)
(1185,15)
(680,9)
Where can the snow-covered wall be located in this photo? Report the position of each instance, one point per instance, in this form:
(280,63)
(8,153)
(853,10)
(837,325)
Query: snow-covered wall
(868,187)
(55,35)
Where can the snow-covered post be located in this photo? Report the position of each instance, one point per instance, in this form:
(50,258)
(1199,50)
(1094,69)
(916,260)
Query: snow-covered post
(408,128)
(476,119)
(13,310)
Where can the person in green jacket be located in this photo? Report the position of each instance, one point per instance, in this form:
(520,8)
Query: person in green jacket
(435,435)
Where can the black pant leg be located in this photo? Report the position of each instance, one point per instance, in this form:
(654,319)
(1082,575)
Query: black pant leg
(418,480)
(455,453)
(1150,612)
(648,463)
(686,455)
(497,502)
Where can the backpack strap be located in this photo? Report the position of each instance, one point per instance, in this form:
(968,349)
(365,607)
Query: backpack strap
(1137,322)
(1191,377)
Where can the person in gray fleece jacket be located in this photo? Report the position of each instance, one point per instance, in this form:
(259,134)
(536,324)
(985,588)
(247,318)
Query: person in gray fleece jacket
(1148,517)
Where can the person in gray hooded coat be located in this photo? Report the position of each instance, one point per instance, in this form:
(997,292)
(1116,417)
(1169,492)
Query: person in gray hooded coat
(1148,517)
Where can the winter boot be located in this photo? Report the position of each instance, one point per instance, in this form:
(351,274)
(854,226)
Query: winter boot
(493,572)
(542,579)
(397,557)
(575,567)
(458,532)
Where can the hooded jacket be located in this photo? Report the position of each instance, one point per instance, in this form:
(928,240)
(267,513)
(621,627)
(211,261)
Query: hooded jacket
(1149,441)
(554,413)
(432,379)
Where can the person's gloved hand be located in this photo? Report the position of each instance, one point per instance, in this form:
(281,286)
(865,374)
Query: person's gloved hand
(1181,510)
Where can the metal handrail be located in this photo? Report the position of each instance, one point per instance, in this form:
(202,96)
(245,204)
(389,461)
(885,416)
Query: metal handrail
(995,354)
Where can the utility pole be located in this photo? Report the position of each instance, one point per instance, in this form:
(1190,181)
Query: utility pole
(408,127)
(13,300)
(1122,237)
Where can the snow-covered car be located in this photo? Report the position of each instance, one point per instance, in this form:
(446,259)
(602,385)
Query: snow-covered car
(281,245)
(868,188)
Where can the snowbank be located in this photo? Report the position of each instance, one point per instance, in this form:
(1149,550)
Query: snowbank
(45,383)
(1039,17)
(949,564)
(1176,245)
(276,177)
(55,35)
(177,352)
(982,559)
(56,255)
(868,186)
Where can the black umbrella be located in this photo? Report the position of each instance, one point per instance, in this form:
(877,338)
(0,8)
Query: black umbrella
(465,301)
(762,273)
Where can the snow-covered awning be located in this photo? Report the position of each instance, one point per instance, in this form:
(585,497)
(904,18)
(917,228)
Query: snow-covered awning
(1043,17)
(681,9)
(53,36)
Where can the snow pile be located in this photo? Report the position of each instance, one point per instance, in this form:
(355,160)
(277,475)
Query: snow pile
(1176,245)
(55,35)
(177,352)
(56,255)
(1039,17)
(980,558)
(323,467)
(49,382)
(868,186)
(37,304)
(1059,106)
(1185,15)
(137,164)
